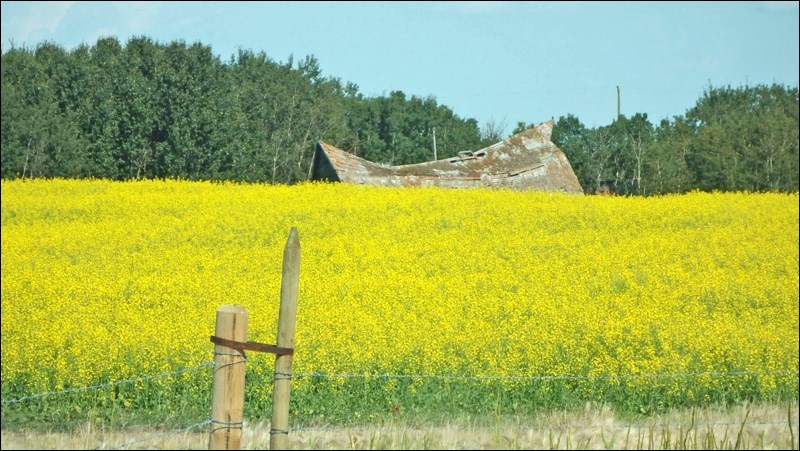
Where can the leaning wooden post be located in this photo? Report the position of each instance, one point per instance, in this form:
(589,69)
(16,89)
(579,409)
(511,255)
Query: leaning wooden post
(290,281)
(227,393)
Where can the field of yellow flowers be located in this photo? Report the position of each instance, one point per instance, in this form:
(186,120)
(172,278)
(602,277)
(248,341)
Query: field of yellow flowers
(412,299)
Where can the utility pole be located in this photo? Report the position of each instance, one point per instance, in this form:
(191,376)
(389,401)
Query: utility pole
(618,109)
(434,144)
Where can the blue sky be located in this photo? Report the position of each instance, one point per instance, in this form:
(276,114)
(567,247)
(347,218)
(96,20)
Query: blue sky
(492,61)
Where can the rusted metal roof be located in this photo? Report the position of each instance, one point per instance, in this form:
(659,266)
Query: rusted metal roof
(527,160)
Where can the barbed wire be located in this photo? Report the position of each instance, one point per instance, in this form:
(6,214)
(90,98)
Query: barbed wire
(405,376)
(163,435)
(565,377)
(521,427)
(110,384)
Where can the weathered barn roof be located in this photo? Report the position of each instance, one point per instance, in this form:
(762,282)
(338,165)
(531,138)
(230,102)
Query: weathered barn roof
(527,160)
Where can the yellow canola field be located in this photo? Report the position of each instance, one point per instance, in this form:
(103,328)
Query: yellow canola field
(103,281)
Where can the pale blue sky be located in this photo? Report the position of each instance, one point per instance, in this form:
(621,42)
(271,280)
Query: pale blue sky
(500,61)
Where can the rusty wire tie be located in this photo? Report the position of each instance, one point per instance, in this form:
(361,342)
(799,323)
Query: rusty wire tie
(251,346)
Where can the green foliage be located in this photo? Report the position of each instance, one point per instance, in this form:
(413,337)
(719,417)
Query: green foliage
(152,110)
(743,139)
(40,136)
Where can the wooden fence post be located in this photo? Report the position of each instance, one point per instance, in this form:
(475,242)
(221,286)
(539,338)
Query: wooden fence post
(227,393)
(290,281)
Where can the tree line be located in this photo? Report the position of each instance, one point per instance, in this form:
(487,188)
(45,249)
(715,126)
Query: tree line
(152,110)
(733,139)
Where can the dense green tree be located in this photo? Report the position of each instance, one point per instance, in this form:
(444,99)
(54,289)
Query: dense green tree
(99,111)
(574,139)
(40,136)
(732,139)
(666,163)
(745,138)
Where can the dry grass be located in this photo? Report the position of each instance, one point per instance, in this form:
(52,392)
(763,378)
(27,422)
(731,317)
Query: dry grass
(765,427)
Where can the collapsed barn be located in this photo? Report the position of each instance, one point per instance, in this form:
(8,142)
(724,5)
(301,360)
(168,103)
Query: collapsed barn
(525,161)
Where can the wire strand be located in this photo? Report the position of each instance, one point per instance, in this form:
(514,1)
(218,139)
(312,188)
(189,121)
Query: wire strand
(565,377)
(110,384)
